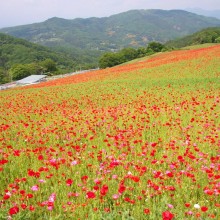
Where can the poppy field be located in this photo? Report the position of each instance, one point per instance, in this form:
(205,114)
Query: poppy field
(136,141)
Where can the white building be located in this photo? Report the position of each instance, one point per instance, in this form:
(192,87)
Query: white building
(31,79)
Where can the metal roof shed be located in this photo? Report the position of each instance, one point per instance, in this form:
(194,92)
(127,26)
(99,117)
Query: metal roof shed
(31,79)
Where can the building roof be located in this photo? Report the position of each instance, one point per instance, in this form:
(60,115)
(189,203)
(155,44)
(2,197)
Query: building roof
(7,85)
(31,79)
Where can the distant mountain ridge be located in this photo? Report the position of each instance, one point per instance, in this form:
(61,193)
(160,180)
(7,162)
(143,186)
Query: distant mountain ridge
(90,37)
(199,11)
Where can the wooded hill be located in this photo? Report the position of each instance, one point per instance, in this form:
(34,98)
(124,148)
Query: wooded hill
(208,35)
(14,50)
(35,58)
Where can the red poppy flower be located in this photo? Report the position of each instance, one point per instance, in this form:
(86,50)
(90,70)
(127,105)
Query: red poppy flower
(31,208)
(167,215)
(40,157)
(90,195)
(14,210)
(204,208)
(121,189)
(22,192)
(147,211)
(69,182)
(104,190)
(29,196)
(187,205)
(96,187)
(6,196)
(2,162)
(23,206)
(135,178)
(84,178)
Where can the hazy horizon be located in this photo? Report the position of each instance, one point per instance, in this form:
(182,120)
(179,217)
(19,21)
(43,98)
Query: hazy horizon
(21,12)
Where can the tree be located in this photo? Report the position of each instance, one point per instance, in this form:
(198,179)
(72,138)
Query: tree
(141,52)
(48,65)
(3,58)
(20,71)
(155,46)
(4,76)
(217,40)
(110,60)
(128,54)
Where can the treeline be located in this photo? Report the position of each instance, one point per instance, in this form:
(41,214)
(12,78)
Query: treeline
(20,71)
(208,35)
(111,59)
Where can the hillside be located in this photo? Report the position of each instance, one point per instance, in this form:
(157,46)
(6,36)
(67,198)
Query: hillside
(18,51)
(208,35)
(31,58)
(170,62)
(94,35)
(137,141)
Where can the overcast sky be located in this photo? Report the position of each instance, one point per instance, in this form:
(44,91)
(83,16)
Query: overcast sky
(18,12)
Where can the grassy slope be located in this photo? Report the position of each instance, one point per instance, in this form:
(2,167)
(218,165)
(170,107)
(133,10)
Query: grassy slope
(148,118)
(198,46)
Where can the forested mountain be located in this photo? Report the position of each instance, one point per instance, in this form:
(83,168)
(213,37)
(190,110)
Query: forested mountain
(88,38)
(208,35)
